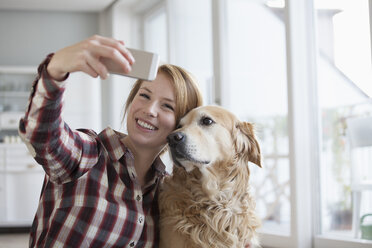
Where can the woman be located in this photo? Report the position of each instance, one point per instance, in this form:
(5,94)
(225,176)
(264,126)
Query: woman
(100,190)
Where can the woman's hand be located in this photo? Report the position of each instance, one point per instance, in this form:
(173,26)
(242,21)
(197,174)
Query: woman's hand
(85,56)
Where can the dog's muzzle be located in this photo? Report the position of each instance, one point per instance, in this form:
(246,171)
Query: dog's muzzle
(176,142)
(180,150)
(176,138)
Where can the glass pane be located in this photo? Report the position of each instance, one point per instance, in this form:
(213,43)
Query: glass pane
(258,93)
(191,37)
(155,35)
(345,90)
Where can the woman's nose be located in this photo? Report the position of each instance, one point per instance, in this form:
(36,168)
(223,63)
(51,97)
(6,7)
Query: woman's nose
(151,109)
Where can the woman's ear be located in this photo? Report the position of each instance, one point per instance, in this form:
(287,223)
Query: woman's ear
(246,144)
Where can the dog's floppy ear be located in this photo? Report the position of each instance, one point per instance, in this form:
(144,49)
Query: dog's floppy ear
(246,143)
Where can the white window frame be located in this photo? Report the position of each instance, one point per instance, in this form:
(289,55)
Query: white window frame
(220,53)
(370,23)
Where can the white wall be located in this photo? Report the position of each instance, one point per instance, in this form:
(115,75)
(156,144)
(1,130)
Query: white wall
(26,37)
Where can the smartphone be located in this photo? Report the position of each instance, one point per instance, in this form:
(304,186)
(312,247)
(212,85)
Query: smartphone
(145,66)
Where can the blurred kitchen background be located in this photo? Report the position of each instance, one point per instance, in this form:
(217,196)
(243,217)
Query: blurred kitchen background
(300,69)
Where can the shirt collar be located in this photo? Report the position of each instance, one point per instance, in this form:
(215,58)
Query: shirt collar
(117,149)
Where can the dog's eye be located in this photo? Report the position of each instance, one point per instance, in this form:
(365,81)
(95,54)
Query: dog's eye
(206,121)
(178,126)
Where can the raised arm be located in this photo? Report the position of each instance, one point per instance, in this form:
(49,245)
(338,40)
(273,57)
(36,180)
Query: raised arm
(66,154)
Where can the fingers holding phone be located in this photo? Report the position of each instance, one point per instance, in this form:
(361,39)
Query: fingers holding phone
(145,66)
(116,51)
(86,56)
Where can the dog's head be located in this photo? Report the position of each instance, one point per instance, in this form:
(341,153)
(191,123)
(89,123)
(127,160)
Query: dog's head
(208,135)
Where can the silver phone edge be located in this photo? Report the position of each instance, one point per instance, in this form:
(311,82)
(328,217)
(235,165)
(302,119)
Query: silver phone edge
(154,69)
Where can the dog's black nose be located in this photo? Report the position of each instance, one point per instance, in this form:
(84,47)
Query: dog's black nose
(175,138)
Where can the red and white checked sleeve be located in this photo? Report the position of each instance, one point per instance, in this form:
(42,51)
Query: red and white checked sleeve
(65,154)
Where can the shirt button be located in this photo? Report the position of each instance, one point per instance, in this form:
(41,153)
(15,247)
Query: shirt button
(132,244)
(140,219)
(138,198)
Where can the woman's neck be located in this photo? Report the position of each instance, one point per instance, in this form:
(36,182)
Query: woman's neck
(143,159)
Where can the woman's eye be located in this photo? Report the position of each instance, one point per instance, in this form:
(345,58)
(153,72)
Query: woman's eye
(145,95)
(206,121)
(169,107)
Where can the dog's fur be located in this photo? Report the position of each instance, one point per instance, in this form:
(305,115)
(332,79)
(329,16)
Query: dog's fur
(206,202)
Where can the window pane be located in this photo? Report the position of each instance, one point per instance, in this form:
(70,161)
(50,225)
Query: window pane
(344,90)
(155,35)
(258,93)
(191,35)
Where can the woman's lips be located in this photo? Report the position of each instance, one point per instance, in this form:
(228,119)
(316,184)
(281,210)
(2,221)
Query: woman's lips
(145,125)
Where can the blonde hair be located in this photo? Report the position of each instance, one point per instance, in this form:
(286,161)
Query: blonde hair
(187,92)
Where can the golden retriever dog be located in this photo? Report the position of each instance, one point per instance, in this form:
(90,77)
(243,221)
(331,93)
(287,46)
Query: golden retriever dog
(206,202)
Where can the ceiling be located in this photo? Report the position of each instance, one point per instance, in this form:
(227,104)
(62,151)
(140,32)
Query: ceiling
(60,5)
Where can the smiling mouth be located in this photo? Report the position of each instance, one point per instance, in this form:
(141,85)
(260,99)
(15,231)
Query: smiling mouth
(146,125)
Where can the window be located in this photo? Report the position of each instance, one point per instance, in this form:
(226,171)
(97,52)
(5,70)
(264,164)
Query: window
(190,36)
(257,93)
(155,32)
(300,70)
(344,66)
(182,34)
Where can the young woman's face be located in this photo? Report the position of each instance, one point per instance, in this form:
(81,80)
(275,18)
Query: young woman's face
(151,116)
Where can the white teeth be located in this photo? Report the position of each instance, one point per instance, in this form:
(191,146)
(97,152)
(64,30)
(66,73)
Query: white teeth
(145,125)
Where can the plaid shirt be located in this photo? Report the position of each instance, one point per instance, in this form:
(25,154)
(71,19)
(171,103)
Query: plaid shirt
(90,196)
